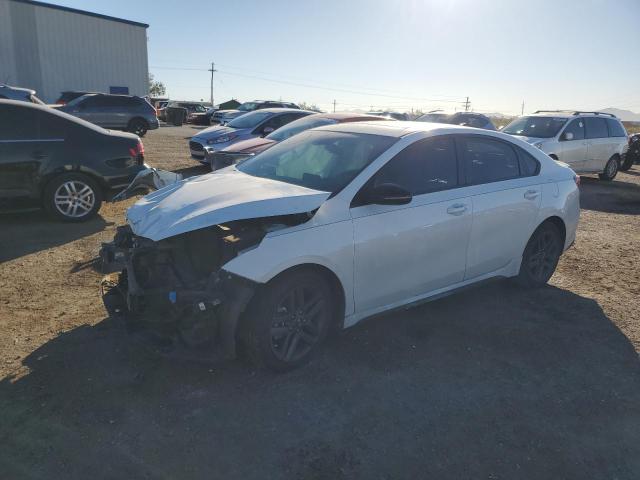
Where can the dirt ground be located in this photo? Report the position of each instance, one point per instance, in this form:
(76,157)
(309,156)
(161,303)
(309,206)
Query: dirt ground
(494,382)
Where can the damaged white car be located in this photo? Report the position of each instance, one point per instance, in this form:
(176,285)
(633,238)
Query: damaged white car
(337,224)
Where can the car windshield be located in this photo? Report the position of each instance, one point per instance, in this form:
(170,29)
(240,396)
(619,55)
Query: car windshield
(538,127)
(199,108)
(434,117)
(248,106)
(322,160)
(79,99)
(298,126)
(249,120)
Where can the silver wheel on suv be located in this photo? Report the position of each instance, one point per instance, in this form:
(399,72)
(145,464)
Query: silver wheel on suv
(74,199)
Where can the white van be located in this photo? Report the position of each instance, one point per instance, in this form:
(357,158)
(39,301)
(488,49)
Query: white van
(590,142)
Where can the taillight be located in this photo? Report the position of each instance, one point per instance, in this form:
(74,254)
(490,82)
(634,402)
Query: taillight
(576,179)
(137,152)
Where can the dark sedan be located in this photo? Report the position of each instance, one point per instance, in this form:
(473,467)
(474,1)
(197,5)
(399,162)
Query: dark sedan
(57,161)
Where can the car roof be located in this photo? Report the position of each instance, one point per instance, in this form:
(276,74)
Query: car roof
(570,114)
(397,129)
(19,89)
(53,111)
(280,110)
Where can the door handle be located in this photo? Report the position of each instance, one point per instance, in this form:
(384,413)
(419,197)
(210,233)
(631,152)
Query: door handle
(38,155)
(531,194)
(457,209)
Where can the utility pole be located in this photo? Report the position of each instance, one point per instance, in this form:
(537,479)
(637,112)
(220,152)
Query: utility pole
(522,111)
(466,104)
(212,69)
(334,106)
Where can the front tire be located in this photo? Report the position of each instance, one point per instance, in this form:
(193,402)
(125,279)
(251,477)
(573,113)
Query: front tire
(610,170)
(72,197)
(541,256)
(288,320)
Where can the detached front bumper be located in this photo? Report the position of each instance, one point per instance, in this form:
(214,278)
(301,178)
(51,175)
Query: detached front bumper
(197,310)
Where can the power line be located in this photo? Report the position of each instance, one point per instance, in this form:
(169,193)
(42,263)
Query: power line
(292,77)
(285,82)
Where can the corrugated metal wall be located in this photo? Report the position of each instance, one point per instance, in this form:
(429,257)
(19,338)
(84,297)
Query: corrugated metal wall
(53,50)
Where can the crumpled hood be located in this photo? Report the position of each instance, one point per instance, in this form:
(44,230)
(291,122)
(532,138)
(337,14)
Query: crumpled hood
(213,132)
(215,198)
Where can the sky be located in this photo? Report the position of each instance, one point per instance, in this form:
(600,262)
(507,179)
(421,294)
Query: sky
(394,54)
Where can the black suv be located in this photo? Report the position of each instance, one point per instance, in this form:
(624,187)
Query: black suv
(469,119)
(66,165)
(120,112)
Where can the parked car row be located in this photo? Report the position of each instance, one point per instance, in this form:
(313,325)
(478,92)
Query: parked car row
(257,123)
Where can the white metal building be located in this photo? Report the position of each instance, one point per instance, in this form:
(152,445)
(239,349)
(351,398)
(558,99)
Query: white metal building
(51,49)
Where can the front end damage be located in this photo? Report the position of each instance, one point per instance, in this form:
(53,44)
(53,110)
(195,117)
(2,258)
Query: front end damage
(176,285)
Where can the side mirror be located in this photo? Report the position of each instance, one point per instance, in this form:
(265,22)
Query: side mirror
(388,194)
(267,130)
(568,136)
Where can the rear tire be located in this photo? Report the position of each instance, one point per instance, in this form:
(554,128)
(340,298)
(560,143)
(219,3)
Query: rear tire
(138,126)
(288,320)
(72,197)
(626,162)
(541,256)
(610,170)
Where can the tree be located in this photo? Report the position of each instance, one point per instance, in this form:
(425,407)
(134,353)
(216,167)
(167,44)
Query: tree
(156,88)
(309,106)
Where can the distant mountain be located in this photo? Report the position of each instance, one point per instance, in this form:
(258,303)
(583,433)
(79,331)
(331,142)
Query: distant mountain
(498,115)
(624,115)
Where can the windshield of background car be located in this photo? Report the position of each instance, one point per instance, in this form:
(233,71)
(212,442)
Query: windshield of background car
(199,109)
(538,127)
(248,106)
(249,120)
(321,160)
(434,117)
(298,126)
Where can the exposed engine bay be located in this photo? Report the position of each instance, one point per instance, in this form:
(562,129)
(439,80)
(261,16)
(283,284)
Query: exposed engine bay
(177,285)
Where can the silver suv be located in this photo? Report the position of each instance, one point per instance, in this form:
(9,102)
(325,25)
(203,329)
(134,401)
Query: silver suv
(590,142)
(21,94)
(117,112)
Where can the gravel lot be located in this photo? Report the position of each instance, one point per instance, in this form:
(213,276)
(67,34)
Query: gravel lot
(494,383)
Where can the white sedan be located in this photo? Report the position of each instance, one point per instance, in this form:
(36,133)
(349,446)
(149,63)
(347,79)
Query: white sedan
(336,224)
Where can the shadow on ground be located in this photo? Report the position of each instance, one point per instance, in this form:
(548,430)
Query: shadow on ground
(29,232)
(617,196)
(491,383)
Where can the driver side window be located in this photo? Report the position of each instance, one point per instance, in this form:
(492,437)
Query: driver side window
(576,127)
(426,166)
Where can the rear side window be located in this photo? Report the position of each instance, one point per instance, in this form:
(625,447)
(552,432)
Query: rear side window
(596,127)
(576,127)
(52,127)
(424,167)
(18,123)
(487,161)
(615,128)
(529,166)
